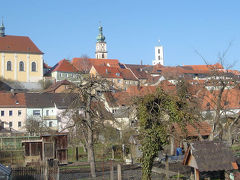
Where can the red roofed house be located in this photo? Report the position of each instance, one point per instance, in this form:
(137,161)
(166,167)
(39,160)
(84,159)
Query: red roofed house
(85,64)
(13,111)
(122,78)
(21,60)
(64,70)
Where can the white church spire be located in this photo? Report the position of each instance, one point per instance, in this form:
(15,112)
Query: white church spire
(158,55)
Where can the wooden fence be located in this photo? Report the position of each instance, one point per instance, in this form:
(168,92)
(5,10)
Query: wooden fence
(35,173)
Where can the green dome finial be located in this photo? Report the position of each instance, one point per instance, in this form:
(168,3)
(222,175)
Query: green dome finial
(100,37)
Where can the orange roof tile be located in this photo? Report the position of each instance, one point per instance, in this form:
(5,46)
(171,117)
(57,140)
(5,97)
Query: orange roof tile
(193,129)
(64,66)
(12,100)
(22,44)
(56,85)
(85,64)
(230,99)
(127,74)
(108,72)
(141,90)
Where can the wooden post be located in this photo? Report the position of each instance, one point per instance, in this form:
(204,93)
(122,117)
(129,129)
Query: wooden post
(46,170)
(167,167)
(76,153)
(111,171)
(197,174)
(119,171)
(113,153)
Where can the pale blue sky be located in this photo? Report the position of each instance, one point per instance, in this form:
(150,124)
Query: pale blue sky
(67,29)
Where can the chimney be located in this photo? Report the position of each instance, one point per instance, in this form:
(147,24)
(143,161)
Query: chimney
(12,92)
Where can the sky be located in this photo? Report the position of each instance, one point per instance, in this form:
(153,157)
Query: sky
(191,31)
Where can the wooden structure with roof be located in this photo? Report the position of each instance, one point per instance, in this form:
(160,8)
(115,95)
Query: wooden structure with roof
(190,132)
(209,159)
(48,147)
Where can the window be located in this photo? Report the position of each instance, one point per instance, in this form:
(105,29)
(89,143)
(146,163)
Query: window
(34,67)
(2,113)
(102,55)
(21,66)
(47,112)
(158,57)
(19,124)
(226,103)
(36,112)
(10,113)
(10,124)
(158,51)
(117,74)
(50,124)
(9,66)
(19,112)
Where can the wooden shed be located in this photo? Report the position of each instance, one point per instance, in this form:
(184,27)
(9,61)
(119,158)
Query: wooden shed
(47,147)
(209,159)
(188,133)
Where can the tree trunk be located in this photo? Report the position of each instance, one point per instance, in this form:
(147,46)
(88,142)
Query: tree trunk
(91,156)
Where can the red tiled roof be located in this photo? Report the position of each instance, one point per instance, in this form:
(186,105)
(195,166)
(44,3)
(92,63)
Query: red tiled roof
(85,64)
(117,99)
(230,99)
(64,66)
(45,65)
(127,74)
(203,128)
(108,72)
(138,70)
(21,44)
(205,67)
(56,85)
(12,100)
(168,86)
(141,90)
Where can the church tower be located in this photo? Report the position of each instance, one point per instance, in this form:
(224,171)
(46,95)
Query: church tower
(158,55)
(101,46)
(2,30)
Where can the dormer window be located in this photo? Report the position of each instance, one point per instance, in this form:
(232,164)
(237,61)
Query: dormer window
(106,71)
(117,74)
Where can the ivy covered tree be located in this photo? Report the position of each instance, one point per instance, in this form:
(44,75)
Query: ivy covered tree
(156,113)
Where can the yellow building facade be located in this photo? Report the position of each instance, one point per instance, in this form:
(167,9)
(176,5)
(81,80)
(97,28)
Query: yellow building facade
(20,59)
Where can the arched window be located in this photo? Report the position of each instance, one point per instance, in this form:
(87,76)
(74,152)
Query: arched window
(34,67)
(21,66)
(9,66)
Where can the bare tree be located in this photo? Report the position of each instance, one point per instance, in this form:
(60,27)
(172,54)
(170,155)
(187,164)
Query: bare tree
(36,126)
(88,113)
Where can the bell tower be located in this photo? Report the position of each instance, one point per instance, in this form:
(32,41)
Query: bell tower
(101,46)
(2,30)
